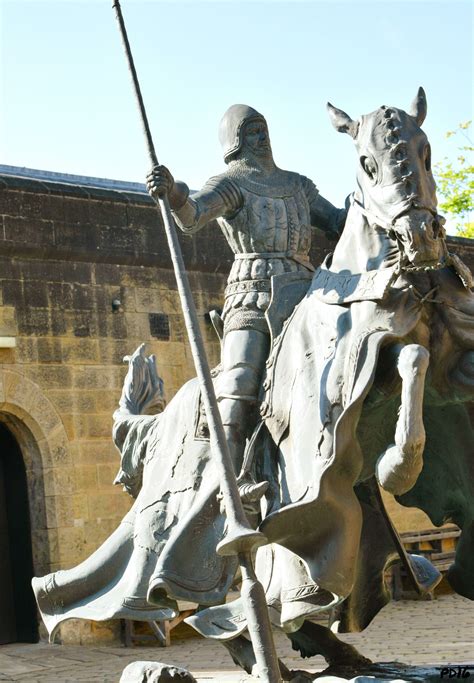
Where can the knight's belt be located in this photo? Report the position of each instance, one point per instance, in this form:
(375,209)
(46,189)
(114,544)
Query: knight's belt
(302,259)
(246,286)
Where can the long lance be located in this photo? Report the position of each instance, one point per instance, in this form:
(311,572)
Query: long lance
(240,538)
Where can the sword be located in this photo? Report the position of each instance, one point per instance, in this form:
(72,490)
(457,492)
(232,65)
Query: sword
(240,538)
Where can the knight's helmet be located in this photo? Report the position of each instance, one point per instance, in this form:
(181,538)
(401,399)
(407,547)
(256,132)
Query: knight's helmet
(231,125)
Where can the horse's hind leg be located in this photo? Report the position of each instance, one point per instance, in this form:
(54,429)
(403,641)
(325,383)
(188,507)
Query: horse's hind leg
(399,466)
(241,651)
(315,639)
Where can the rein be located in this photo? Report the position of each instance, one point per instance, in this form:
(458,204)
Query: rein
(389,224)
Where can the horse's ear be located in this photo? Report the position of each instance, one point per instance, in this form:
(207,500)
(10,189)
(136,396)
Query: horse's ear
(419,107)
(342,122)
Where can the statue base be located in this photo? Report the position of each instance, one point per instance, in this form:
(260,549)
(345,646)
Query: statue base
(394,671)
(155,672)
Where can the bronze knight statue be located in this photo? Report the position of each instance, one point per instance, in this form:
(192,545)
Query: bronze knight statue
(368,385)
(267,216)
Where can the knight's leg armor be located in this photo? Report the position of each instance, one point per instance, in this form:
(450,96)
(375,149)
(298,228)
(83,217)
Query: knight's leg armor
(244,353)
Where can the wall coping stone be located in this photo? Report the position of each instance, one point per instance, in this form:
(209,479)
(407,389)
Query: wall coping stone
(68,183)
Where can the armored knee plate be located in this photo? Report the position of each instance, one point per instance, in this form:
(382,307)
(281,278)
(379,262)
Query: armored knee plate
(243,357)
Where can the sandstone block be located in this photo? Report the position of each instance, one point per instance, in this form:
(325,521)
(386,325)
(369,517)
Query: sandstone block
(72,544)
(93,377)
(85,402)
(59,511)
(104,505)
(148,300)
(36,295)
(79,351)
(43,412)
(60,449)
(50,376)
(106,475)
(138,326)
(26,350)
(93,426)
(112,351)
(63,480)
(8,326)
(49,350)
(69,426)
(92,452)
(10,202)
(37,234)
(60,295)
(108,274)
(7,356)
(62,399)
(80,509)
(85,478)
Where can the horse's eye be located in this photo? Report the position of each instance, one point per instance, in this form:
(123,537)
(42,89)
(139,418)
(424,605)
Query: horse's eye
(369,167)
(428,157)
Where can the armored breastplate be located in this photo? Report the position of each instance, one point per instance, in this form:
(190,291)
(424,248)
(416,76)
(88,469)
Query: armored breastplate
(273,218)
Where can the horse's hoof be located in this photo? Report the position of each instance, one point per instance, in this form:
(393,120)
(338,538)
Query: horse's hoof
(348,657)
(397,473)
(300,677)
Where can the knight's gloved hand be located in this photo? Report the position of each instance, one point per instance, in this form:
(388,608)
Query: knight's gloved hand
(159,182)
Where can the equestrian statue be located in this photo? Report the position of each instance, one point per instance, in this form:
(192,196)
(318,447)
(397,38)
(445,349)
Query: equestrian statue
(335,382)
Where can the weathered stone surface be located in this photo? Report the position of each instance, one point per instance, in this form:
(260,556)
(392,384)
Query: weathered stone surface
(390,671)
(155,672)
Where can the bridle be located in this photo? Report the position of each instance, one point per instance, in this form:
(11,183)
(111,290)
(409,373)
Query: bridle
(389,224)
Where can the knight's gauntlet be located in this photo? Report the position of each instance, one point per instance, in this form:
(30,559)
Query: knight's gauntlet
(178,195)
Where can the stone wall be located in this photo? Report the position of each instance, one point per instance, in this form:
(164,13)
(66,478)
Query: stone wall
(67,253)
(84,279)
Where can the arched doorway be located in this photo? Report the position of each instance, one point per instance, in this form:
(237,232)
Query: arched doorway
(18,621)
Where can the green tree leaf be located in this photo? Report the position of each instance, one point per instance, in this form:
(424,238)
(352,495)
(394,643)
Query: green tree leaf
(456,184)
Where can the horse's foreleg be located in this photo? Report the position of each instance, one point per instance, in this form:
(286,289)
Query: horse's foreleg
(399,466)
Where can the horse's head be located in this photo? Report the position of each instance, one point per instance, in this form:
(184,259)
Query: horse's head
(396,188)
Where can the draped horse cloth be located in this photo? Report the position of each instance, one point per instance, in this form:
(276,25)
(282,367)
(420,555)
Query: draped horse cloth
(168,538)
(328,363)
(329,542)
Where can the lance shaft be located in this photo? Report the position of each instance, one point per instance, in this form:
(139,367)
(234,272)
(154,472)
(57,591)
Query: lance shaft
(240,538)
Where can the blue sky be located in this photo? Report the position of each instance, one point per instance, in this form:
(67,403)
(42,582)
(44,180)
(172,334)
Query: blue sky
(67,104)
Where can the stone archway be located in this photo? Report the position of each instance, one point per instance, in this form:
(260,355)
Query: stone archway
(18,622)
(29,422)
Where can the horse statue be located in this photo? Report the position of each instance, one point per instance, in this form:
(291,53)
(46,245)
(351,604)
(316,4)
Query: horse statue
(369,384)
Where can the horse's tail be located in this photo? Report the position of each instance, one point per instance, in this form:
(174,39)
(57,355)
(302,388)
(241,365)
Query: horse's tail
(142,398)
(142,391)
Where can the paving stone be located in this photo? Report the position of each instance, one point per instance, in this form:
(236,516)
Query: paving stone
(440,632)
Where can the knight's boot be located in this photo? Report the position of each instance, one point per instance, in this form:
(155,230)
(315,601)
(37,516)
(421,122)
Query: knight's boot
(250,491)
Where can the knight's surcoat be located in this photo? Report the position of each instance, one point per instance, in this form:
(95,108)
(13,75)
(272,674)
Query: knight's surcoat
(268,227)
